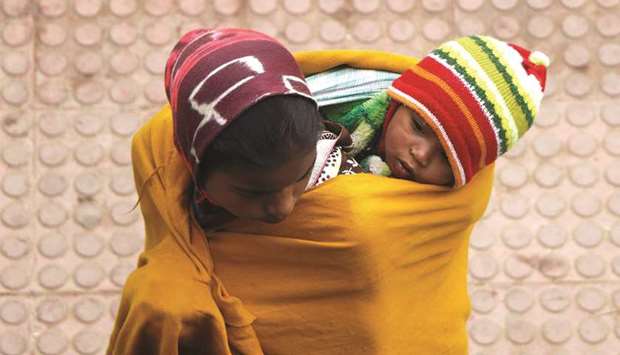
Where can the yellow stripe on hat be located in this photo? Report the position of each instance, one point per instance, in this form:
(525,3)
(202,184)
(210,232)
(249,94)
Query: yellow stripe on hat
(503,87)
(464,58)
(528,86)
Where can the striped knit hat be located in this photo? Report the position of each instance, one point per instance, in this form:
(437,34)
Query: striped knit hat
(479,94)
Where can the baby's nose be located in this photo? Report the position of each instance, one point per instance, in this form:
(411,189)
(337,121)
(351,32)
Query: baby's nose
(422,153)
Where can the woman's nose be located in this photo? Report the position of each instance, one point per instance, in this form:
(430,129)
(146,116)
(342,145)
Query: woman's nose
(281,205)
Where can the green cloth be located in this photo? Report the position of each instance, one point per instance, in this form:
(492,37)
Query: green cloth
(357,99)
(364,119)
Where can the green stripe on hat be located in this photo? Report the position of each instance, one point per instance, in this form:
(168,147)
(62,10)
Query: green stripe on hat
(480,92)
(495,71)
(513,62)
(489,85)
(529,116)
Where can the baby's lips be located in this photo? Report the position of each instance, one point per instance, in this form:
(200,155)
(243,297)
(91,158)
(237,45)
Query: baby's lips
(399,170)
(408,168)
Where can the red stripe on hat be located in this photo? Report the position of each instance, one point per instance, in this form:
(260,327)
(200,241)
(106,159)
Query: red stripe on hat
(456,116)
(539,71)
(473,105)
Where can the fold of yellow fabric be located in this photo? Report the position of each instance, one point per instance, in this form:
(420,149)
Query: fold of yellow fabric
(364,265)
(357,255)
(173,303)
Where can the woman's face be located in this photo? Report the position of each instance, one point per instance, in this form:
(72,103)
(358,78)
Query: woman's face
(267,195)
(413,151)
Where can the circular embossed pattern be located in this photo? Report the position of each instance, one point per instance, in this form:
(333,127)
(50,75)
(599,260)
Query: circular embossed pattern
(593,330)
(557,331)
(483,266)
(15,277)
(15,184)
(591,299)
(590,266)
(51,311)
(588,234)
(518,300)
(554,299)
(16,8)
(88,275)
(520,331)
(300,7)
(482,237)
(263,7)
(193,7)
(52,63)
(401,6)
(123,8)
(88,8)
(52,342)
(15,63)
(14,247)
(584,174)
(88,310)
(333,31)
(125,244)
(484,331)
(88,341)
(13,312)
(53,276)
(52,184)
(88,245)
(230,7)
(53,245)
(483,301)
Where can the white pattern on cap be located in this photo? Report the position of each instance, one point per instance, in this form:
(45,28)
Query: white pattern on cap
(207,109)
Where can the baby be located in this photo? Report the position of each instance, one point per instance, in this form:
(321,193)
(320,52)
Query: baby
(443,120)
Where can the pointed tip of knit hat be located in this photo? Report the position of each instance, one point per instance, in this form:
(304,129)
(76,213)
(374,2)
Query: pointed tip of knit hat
(539,58)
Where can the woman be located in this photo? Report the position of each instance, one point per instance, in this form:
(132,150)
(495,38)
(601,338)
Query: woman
(242,138)
(363,265)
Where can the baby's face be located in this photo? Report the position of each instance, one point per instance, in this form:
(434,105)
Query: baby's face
(413,151)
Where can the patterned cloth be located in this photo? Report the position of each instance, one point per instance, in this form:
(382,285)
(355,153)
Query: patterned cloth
(479,94)
(356,99)
(332,160)
(344,84)
(212,76)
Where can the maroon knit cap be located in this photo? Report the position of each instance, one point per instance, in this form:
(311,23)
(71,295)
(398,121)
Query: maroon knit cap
(213,75)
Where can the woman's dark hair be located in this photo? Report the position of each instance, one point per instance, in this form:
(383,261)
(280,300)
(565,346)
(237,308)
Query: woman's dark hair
(265,135)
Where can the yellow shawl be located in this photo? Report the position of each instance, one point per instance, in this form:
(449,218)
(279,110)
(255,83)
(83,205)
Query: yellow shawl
(364,265)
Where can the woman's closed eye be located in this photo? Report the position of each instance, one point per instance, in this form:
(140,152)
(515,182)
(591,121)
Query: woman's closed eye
(251,193)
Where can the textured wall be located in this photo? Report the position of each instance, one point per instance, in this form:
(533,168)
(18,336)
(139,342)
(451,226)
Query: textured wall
(77,77)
